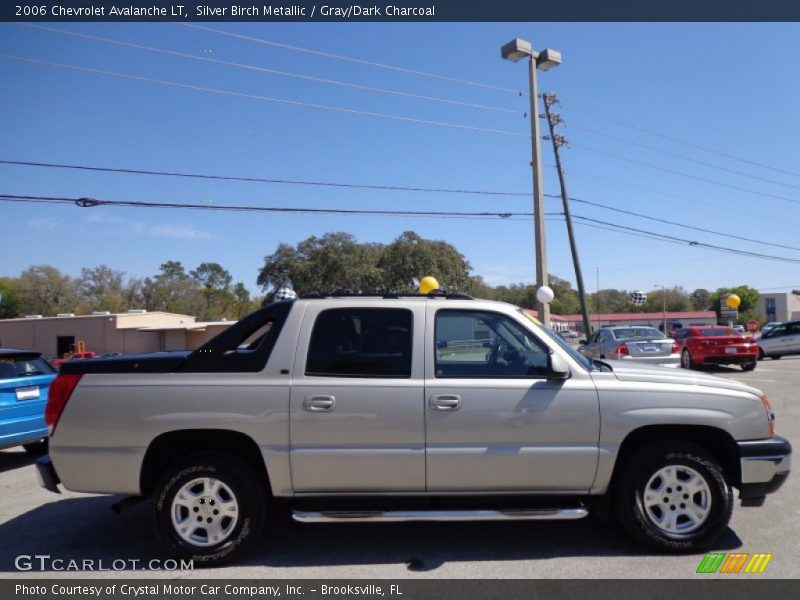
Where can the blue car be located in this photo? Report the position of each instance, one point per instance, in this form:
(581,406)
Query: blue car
(25,379)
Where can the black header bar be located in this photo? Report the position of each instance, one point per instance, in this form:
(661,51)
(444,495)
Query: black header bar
(401,10)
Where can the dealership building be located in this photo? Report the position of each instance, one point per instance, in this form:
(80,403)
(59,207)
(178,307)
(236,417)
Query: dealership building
(783,306)
(104,332)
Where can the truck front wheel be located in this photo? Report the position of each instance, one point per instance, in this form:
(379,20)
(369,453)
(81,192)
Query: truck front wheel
(209,508)
(673,496)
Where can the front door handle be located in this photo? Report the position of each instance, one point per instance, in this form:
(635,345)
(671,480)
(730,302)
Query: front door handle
(446,402)
(319,403)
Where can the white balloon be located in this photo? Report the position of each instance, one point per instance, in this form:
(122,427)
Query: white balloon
(545,294)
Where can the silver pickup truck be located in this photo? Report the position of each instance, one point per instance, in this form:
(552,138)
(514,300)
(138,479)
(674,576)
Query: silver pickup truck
(428,408)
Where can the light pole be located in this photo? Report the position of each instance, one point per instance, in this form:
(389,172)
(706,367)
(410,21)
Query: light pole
(516,50)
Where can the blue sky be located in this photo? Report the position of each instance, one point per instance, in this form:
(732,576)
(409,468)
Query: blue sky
(729,87)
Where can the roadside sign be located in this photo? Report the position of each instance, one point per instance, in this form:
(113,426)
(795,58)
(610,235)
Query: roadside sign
(752,326)
(729,314)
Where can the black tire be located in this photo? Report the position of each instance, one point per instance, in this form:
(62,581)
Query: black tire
(776,356)
(248,492)
(629,490)
(36,448)
(749,366)
(761,354)
(686,360)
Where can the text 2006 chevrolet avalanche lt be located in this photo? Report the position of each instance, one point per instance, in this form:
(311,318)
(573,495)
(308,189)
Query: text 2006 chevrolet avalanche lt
(434,408)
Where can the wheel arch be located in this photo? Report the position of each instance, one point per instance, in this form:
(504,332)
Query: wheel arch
(171,446)
(717,442)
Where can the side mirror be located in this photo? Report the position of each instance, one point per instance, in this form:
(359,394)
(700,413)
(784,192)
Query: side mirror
(557,367)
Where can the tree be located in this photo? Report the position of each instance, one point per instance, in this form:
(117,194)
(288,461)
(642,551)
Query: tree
(409,258)
(10,305)
(172,290)
(748,296)
(43,289)
(701,299)
(101,288)
(215,283)
(675,298)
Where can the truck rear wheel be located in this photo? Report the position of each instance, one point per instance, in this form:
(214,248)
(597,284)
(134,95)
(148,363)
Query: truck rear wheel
(673,496)
(209,508)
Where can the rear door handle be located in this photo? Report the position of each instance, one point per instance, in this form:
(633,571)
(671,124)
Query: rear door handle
(446,402)
(319,403)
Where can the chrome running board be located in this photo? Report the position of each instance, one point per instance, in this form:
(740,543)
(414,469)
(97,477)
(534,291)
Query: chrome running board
(537,514)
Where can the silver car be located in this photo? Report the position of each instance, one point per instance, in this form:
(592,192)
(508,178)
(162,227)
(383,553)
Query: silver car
(639,344)
(781,340)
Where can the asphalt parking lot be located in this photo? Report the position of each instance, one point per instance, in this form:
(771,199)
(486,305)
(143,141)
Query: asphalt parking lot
(82,527)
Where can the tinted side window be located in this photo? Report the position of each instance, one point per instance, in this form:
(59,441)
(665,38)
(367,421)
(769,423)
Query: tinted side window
(486,345)
(361,342)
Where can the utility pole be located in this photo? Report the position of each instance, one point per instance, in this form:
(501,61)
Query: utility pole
(554,119)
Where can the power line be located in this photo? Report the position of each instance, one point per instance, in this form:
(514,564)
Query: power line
(261,179)
(675,223)
(695,243)
(211,90)
(177,123)
(693,202)
(351,185)
(351,59)
(269,70)
(682,157)
(93,202)
(688,175)
(680,141)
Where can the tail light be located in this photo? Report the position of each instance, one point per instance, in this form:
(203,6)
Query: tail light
(622,350)
(676,347)
(60,391)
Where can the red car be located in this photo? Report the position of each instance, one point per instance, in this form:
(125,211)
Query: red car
(717,345)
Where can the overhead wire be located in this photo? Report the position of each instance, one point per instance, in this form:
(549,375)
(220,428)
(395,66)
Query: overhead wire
(260,98)
(680,141)
(93,202)
(352,185)
(681,156)
(351,59)
(687,175)
(270,71)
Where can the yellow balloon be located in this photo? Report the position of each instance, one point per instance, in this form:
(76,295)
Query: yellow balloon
(733,301)
(427,285)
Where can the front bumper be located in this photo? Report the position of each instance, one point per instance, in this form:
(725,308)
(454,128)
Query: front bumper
(46,472)
(765,466)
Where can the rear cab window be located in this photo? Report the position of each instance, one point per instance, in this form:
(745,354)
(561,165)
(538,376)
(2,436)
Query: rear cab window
(361,342)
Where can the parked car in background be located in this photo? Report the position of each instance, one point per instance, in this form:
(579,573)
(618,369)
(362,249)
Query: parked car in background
(569,336)
(73,356)
(716,345)
(769,326)
(739,329)
(632,343)
(25,379)
(780,340)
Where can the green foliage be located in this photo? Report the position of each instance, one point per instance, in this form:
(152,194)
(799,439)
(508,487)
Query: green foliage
(44,290)
(701,299)
(338,261)
(10,305)
(749,297)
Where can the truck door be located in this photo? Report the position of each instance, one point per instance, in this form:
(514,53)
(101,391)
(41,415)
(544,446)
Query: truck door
(494,422)
(357,404)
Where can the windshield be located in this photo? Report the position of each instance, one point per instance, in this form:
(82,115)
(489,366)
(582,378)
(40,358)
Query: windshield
(580,358)
(637,333)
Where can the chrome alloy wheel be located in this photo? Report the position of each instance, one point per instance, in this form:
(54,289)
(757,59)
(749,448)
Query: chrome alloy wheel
(204,512)
(677,499)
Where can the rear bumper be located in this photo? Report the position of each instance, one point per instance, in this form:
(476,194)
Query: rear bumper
(765,467)
(46,472)
(727,359)
(670,360)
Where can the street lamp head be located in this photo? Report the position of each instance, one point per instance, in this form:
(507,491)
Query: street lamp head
(548,58)
(516,50)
